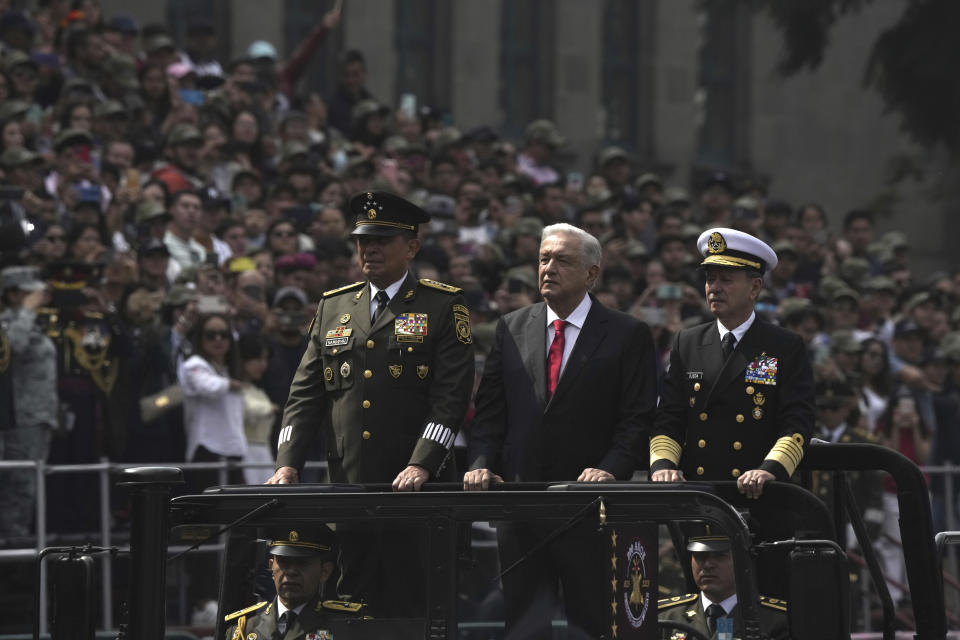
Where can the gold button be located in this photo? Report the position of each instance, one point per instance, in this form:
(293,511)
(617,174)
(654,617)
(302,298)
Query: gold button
(739,417)
(335,351)
(700,471)
(735,473)
(368,374)
(410,349)
(370,344)
(366,435)
(749,391)
(702,444)
(703,417)
(737,445)
(696,386)
(366,404)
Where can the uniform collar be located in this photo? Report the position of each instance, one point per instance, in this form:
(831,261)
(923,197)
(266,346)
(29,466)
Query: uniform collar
(391,290)
(738,331)
(281,609)
(728,604)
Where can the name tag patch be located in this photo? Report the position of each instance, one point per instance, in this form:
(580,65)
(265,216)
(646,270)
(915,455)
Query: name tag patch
(763,370)
(337,337)
(410,327)
(694,375)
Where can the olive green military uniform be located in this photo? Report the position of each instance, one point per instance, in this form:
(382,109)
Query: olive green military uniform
(689,610)
(316,619)
(385,395)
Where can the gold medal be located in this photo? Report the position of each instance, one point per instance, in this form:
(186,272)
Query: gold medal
(345,318)
(328,374)
(345,370)
(757,413)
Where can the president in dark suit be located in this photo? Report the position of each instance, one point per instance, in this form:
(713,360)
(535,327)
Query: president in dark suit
(567,394)
(737,401)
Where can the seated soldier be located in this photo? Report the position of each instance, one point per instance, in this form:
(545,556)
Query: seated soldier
(712,566)
(300,564)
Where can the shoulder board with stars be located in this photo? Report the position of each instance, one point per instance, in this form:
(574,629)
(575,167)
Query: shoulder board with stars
(773,603)
(341,605)
(433,284)
(349,287)
(666,603)
(243,612)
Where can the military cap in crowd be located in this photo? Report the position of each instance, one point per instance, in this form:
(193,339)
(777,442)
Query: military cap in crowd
(109,109)
(482,134)
(722,247)
(295,262)
(440,206)
(304,543)
(395,144)
(690,231)
(448,137)
(843,341)
(895,240)
(647,179)
(150,211)
(184,134)
(212,198)
(122,69)
(77,84)
(879,284)
(676,196)
(72,137)
(524,275)
(13,109)
(706,538)
(295,293)
(21,277)
(782,247)
(544,131)
(917,299)
(636,250)
(854,269)
(830,393)
(746,208)
(14,157)
(180,295)
(159,42)
(609,154)
(380,213)
(527,226)
(16,58)
(719,179)
(295,150)
(366,108)
(122,24)
(261,49)
(845,293)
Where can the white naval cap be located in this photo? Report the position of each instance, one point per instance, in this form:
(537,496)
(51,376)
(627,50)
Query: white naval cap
(724,247)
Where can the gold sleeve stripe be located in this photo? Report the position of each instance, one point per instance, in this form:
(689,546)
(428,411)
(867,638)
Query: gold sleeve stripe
(665,448)
(788,452)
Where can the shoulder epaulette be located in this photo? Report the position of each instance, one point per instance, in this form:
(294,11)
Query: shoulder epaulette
(242,612)
(773,603)
(349,287)
(864,435)
(341,605)
(433,284)
(666,603)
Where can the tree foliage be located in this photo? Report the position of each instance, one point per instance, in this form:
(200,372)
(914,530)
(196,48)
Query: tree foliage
(911,64)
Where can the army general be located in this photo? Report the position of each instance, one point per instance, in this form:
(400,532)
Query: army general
(386,377)
(737,402)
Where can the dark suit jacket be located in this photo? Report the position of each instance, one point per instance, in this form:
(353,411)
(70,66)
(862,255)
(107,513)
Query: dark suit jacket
(599,415)
(714,424)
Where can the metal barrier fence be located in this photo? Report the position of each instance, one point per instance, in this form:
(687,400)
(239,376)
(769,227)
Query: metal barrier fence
(942,475)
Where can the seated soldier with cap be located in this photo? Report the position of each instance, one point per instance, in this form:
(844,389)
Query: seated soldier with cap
(300,562)
(711,564)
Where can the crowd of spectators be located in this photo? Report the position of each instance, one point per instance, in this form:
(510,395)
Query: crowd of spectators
(186,214)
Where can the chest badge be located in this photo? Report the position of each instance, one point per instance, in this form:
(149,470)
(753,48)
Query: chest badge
(345,370)
(423,371)
(328,374)
(410,327)
(763,370)
(759,400)
(395,370)
(345,318)
(251,636)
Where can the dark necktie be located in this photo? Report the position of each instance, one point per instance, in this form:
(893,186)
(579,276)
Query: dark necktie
(714,611)
(382,299)
(555,357)
(285,622)
(729,344)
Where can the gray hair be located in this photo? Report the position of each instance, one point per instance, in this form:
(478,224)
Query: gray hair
(591,246)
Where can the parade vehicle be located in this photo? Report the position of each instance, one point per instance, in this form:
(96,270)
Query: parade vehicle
(785,545)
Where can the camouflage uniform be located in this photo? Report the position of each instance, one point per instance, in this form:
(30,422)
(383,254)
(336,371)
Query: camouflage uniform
(33,366)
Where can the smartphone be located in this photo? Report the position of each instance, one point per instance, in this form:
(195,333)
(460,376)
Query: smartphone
(574,181)
(669,291)
(131,180)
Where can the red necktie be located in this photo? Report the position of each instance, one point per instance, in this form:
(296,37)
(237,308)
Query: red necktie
(555,357)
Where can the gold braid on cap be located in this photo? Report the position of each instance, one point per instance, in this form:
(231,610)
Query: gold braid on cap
(384,223)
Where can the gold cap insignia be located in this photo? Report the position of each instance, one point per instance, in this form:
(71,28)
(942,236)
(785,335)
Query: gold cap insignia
(293,537)
(252,636)
(716,243)
(371,213)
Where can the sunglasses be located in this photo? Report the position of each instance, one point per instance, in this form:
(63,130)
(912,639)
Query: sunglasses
(213,334)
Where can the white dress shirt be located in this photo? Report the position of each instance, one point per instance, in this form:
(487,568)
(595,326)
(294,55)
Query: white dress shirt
(391,291)
(739,331)
(212,414)
(572,331)
(727,604)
